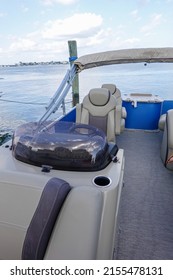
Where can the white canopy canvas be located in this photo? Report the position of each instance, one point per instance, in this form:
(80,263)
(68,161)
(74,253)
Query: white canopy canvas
(148,55)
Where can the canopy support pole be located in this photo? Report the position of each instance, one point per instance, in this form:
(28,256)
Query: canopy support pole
(75,86)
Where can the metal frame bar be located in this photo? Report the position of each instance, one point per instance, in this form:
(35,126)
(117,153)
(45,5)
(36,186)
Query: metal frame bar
(59,95)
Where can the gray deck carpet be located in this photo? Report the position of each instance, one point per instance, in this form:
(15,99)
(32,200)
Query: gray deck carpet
(146,208)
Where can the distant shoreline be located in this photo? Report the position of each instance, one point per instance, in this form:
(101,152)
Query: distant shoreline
(35,63)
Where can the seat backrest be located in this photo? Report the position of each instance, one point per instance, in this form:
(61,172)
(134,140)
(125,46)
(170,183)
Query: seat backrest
(114,91)
(98,109)
(121,112)
(44,218)
(162,121)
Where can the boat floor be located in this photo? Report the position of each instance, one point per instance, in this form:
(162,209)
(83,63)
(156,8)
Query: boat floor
(146,207)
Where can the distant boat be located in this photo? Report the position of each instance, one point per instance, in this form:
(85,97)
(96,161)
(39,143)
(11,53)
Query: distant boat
(61,180)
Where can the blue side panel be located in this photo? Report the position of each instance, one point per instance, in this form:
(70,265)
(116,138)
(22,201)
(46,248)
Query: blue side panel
(145,116)
(167,105)
(70,116)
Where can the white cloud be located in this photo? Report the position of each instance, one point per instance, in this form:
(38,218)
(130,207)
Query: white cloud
(2,15)
(25,9)
(78,24)
(135,15)
(63,2)
(50,42)
(143,2)
(52,39)
(99,38)
(156,20)
(131,41)
(22,44)
(120,43)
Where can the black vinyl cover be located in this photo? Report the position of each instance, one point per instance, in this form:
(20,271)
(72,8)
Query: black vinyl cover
(63,145)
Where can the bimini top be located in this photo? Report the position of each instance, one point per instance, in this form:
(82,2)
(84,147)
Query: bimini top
(124,56)
(64,145)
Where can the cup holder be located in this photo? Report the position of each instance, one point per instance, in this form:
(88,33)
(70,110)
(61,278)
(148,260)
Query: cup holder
(102,181)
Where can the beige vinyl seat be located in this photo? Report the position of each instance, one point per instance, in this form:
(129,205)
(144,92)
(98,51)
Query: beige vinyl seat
(162,121)
(121,112)
(167,141)
(55,231)
(99,109)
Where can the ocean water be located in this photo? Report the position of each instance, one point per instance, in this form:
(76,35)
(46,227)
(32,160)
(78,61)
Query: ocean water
(25,90)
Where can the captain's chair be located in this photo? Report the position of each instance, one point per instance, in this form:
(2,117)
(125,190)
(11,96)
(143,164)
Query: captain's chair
(99,109)
(121,113)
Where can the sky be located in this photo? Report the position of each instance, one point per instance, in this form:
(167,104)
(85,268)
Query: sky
(39,30)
